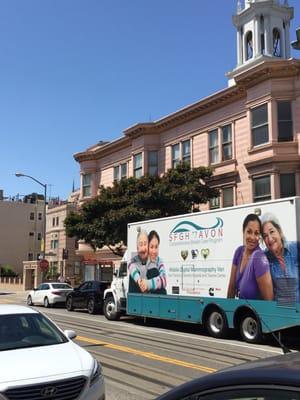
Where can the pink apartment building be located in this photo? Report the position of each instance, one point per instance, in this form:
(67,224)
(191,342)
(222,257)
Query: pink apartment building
(248,132)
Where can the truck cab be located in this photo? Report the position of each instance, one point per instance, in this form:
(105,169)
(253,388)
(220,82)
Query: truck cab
(115,298)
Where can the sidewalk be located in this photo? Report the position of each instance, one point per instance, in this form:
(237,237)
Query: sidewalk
(10,297)
(14,293)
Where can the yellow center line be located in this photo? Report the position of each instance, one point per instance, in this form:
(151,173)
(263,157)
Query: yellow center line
(152,356)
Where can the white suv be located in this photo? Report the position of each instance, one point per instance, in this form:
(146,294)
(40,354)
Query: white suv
(39,361)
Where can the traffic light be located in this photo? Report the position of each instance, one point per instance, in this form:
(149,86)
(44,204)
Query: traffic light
(65,254)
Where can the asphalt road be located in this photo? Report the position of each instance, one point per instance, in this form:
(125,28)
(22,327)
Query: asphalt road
(144,359)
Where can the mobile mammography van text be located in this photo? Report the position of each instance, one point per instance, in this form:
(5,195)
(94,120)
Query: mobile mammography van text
(201,268)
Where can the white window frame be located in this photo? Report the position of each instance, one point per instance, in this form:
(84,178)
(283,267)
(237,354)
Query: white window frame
(120,171)
(262,197)
(291,178)
(122,174)
(215,203)
(178,154)
(226,143)
(285,122)
(87,185)
(216,147)
(138,165)
(153,164)
(213,147)
(186,156)
(116,173)
(175,154)
(54,244)
(260,126)
(223,202)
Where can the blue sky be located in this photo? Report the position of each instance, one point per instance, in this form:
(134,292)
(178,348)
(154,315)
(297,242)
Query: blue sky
(73,72)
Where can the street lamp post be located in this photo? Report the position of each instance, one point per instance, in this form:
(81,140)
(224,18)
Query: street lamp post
(19,174)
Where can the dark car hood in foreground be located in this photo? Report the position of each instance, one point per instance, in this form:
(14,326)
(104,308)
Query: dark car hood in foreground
(280,370)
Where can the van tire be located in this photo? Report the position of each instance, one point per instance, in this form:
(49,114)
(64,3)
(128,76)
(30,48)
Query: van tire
(250,328)
(109,309)
(216,323)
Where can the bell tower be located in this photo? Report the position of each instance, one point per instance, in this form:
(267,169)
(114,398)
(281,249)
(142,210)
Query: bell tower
(263,31)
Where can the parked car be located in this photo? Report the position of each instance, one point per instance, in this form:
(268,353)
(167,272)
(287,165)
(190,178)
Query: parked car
(40,361)
(89,295)
(271,378)
(48,294)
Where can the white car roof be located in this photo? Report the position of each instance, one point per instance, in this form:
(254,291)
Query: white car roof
(16,309)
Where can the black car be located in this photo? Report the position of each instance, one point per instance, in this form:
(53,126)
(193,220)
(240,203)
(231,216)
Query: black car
(271,378)
(89,295)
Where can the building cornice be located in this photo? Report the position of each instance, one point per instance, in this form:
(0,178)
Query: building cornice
(224,178)
(271,161)
(96,152)
(261,8)
(188,113)
(245,77)
(263,69)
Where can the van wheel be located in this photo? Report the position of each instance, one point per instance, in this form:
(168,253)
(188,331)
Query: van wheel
(250,329)
(216,324)
(109,309)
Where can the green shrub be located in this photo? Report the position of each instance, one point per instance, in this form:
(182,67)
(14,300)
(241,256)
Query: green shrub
(7,270)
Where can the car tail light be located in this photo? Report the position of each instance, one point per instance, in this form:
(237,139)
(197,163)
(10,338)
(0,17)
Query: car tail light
(56,292)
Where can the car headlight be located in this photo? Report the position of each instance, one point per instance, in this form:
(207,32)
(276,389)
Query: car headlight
(97,372)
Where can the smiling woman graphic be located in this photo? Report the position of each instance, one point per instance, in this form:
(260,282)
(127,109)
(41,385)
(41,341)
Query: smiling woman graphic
(284,260)
(250,272)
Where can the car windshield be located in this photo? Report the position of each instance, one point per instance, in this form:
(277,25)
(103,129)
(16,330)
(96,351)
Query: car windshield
(18,331)
(61,286)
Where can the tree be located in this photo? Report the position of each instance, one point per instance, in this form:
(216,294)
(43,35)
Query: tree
(7,270)
(103,220)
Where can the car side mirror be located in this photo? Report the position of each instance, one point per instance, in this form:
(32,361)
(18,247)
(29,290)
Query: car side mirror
(70,334)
